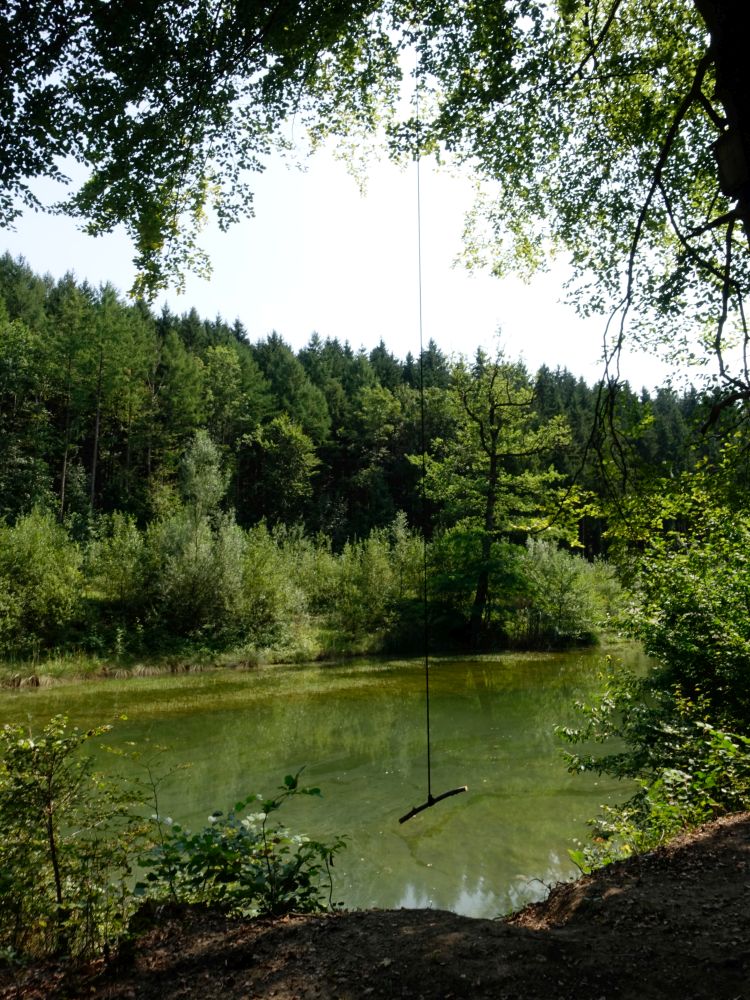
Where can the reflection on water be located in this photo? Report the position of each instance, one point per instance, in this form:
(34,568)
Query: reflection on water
(358,729)
(480,897)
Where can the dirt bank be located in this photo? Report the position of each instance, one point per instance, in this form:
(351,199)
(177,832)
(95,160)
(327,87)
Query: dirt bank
(672,924)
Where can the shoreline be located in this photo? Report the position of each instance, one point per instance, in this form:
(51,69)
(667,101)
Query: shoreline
(661,926)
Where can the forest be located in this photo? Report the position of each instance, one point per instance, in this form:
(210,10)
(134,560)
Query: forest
(166,484)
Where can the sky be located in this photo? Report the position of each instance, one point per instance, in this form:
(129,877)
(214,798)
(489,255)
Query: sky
(320,256)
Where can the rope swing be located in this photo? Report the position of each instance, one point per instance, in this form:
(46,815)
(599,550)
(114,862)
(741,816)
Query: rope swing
(431,799)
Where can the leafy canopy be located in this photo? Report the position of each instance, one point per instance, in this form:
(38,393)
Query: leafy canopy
(171,106)
(592,124)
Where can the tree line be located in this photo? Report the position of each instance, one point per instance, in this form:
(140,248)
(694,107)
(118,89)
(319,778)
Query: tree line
(100,399)
(181,478)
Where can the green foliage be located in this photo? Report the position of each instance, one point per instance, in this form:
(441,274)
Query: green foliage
(491,473)
(283,465)
(454,558)
(234,392)
(194,574)
(310,564)
(682,730)
(273,596)
(24,421)
(70,839)
(687,769)
(490,479)
(159,166)
(292,389)
(375,580)
(40,581)
(67,841)
(684,544)
(203,482)
(589,129)
(243,863)
(116,561)
(194,556)
(151,430)
(695,617)
(100,401)
(566,599)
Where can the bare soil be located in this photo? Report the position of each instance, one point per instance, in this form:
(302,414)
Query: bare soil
(671,924)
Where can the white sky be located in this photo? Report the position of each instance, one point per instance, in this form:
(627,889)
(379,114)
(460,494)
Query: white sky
(320,256)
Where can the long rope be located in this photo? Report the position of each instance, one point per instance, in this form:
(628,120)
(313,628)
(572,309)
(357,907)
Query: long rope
(431,799)
(423,446)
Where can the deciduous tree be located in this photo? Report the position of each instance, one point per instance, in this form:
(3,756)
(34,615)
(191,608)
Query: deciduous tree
(491,478)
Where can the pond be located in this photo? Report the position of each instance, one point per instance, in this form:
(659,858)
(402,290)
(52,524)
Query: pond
(358,729)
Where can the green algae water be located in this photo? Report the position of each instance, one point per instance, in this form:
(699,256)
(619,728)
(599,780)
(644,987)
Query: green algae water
(359,732)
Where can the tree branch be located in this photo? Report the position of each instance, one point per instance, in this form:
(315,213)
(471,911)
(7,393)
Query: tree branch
(596,43)
(692,95)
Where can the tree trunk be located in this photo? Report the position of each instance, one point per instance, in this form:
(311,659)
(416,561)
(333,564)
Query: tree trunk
(726,21)
(66,448)
(480,603)
(128,428)
(62,910)
(482,593)
(97,424)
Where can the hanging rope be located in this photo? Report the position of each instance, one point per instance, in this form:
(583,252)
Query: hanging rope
(431,799)
(423,449)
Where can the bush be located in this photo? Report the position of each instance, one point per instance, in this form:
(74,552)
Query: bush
(684,727)
(687,770)
(363,588)
(271,598)
(312,565)
(67,838)
(455,563)
(375,578)
(695,616)
(565,598)
(116,564)
(40,582)
(243,864)
(194,573)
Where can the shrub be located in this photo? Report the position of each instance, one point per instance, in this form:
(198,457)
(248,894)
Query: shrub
(375,579)
(67,838)
(687,770)
(40,582)
(204,484)
(364,585)
(271,598)
(565,598)
(683,729)
(243,864)
(70,838)
(455,562)
(116,562)
(194,575)
(695,616)
(312,565)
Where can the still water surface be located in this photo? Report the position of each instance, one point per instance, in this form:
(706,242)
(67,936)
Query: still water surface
(358,729)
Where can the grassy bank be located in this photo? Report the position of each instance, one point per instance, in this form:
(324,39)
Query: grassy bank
(74,665)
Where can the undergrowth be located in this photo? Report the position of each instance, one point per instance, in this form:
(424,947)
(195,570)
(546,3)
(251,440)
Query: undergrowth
(72,841)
